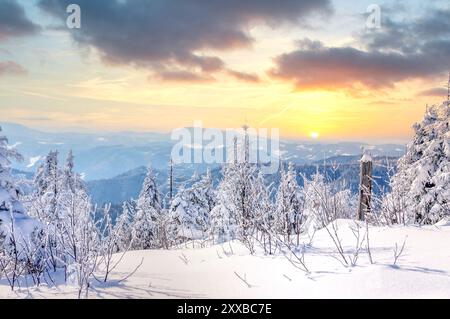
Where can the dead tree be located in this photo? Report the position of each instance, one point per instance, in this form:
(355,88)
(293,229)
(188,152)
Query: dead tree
(365,186)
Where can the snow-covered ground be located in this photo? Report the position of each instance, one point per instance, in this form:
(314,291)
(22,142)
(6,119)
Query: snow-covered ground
(422,271)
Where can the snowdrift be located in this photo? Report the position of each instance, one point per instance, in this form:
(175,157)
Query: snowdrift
(229,271)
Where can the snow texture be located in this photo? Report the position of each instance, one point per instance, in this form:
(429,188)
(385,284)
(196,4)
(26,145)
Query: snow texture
(422,271)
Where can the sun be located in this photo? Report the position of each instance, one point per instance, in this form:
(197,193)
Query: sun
(314,135)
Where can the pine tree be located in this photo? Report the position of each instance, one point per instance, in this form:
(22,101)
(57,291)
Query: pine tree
(19,242)
(234,215)
(264,213)
(147,226)
(70,180)
(9,192)
(122,228)
(44,202)
(289,203)
(223,216)
(421,187)
(191,207)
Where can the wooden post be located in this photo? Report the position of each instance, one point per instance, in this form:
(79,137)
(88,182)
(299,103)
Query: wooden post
(365,186)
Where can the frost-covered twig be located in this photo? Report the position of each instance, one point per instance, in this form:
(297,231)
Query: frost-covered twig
(133,272)
(244,280)
(184,259)
(397,252)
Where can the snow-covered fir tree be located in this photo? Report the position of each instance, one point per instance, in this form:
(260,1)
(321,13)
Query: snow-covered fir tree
(264,213)
(234,215)
(61,203)
(122,227)
(44,201)
(9,192)
(421,188)
(20,249)
(289,203)
(191,207)
(70,180)
(147,226)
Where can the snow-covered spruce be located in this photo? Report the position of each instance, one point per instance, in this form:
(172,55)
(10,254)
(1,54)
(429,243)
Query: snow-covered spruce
(190,209)
(150,224)
(234,215)
(9,192)
(20,253)
(122,227)
(421,188)
(289,203)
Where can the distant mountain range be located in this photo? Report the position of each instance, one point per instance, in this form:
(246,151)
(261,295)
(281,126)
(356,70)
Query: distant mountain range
(344,169)
(117,155)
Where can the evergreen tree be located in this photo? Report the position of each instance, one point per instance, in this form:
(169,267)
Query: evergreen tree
(289,203)
(17,240)
(264,213)
(234,215)
(9,192)
(191,207)
(44,203)
(147,230)
(421,188)
(70,180)
(122,228)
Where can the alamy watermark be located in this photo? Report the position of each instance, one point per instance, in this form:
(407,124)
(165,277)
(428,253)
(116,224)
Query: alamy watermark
(73,21)
(213,146)
(373,20)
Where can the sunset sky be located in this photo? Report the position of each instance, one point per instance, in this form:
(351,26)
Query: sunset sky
(311,68)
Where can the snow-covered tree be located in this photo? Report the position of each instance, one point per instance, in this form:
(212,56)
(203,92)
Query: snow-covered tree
(80,240)
(146,229)
(191,207)
(20,251)
(44,201)
(9,192)
(70,180)
(223,223)
(421,188)
(325,202)
(234,214)
(61,203)
(122,227)
(289,203)
(264,214)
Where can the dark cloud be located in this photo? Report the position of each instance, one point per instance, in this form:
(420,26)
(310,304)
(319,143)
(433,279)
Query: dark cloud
(182,76)
(405,35)
(13,21)
(163,34)
(243,76)
(11,68)
(439,92)
(345,67)
(400,50)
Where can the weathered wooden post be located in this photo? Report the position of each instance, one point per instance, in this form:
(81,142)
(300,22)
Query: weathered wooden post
(365,186)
